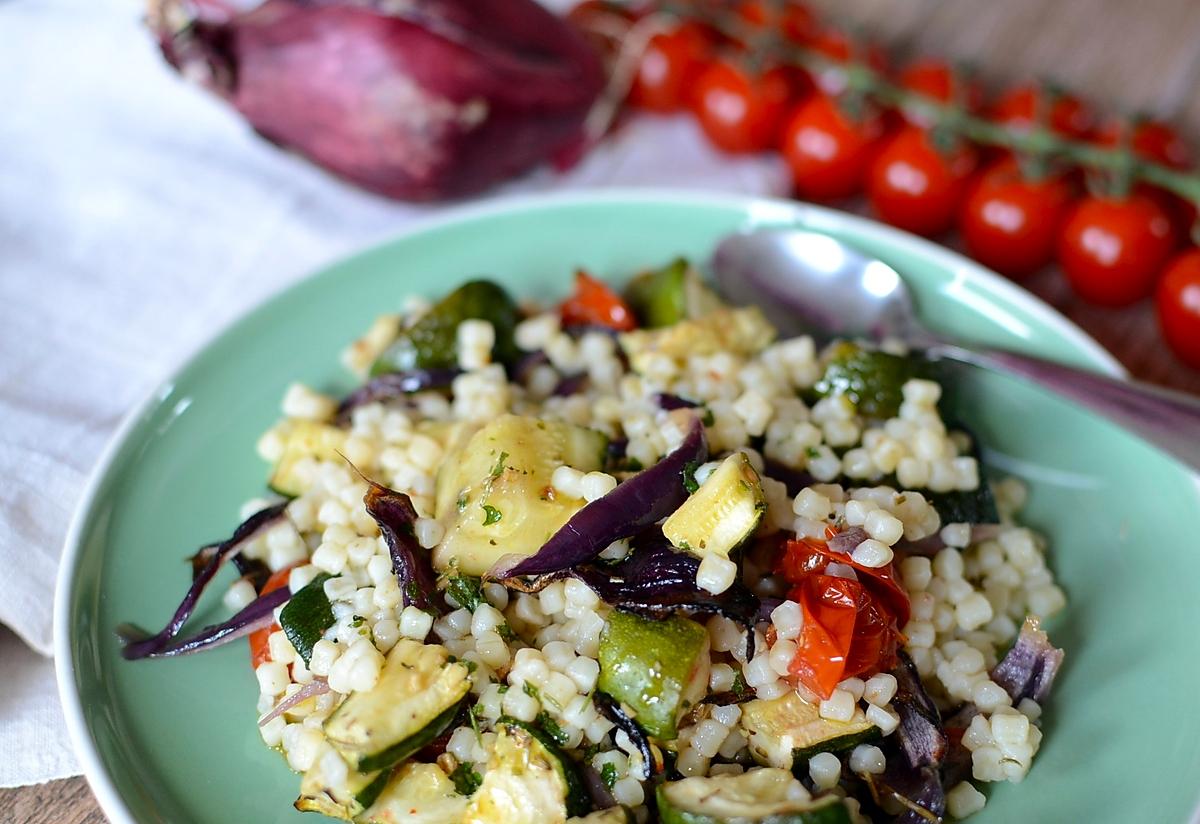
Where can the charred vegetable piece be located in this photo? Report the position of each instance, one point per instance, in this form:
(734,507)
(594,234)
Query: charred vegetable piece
(634,505)
(922,738)
(394,385)
(663,297)
(305,618)
(394,513)
(305,441)
(525,783)
(332,788)
(416,698)
(743,331)
(659,669)
(722,513)
(495,495)
(871,379)
(417,793)
(972,506)
(763,795)
(577,797)
(787,731)
(432,341)
(918,791)
(607,706)
(610,815)
(1029,668)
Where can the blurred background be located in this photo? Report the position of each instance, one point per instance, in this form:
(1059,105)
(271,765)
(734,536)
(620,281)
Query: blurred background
(141,207)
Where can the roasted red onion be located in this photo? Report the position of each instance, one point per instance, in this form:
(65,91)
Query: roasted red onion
(922,739)
(417,100)
(394,513)
(317,686)
(1028,670)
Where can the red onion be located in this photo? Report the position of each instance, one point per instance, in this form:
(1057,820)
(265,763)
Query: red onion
(317,686)
(413,99)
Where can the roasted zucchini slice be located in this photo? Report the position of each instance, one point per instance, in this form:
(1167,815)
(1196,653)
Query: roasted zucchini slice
(331,787)
(418,695)
(759,795)
(722,513)
(528,781)
(787,731)
(417,794)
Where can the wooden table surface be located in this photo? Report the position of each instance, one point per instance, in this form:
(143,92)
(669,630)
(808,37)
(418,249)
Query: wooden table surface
(1128,55)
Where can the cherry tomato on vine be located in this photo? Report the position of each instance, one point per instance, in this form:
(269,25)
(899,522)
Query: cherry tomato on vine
(829,151)
(797,23)
(840,47)
(915,185)
(1151,139)
(740,111)
(1112,250)
(669,68)
(1011,223)
(1069,115)
(938,80)
(260,648)
(1178,303)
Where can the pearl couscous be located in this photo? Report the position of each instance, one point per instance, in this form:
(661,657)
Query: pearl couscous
(635,558)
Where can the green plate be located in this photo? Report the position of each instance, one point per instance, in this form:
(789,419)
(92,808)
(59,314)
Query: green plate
(175,740)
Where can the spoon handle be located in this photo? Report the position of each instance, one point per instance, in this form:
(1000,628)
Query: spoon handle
(1169,420)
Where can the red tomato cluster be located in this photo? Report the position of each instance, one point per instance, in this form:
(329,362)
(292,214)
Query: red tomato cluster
(851,626)
(1114,251)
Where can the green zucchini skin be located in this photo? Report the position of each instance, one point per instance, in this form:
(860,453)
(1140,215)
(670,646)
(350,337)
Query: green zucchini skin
(674,810)
(578,802)
(398,752)
(306,616)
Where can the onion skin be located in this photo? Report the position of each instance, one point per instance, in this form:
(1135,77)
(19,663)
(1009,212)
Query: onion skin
(413,99)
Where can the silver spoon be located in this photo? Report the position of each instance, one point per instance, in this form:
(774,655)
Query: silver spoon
(807,282)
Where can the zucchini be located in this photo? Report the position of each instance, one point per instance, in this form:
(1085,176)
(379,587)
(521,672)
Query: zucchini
(722,513)
(659,669)
(494,494)
(304,440)
(417,697)
(665,296)
(306,616)
(764,795)
(524,782)
(785,732)
(432,341)
(873,380)
(611,815)
(743,332)
(417,794)
(332,788)
(578,800)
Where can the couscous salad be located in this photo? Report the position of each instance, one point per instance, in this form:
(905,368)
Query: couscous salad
(631,558)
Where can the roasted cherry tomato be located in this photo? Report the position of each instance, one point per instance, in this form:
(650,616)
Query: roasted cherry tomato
(740,111)
(1112,250)
(1010,223)
(1068,116)
(594,304)
(669,68)
(260,649)
(914,185)
(851,627)
(827,150)
(1178,303)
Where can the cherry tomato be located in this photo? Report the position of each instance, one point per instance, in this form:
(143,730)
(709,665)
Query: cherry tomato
(669,68)
(1178,303)
(1151,139)
(795,20)
(850,626)
(594,304)
(260,649)
(841,47)
(741,112)
(828,151)
(1112,250)
(1010,223)
(1068,116)
(913,185)
(937,80)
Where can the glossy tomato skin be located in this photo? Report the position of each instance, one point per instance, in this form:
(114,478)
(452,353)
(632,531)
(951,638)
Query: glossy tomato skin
(1151,139)
(260,647)
(1011,223)
(827,151)
(1112,250)
(795,20)
(1177,300)
(938,80)
(913,185)
(1069,115)
(739,111)
(669,68)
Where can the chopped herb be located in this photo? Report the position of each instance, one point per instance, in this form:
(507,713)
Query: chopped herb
(491,515)
(552,729)
(498,469)
(739,685)
(706,416)
(633,465)
(608,774)
(357,621)
(412,595)
(473,717)
(812,453)
(461,503)
(466,779)
(503,688)
(506,632)
(470,665)
(531,691)
(467,590)
(689,476)
(590,751)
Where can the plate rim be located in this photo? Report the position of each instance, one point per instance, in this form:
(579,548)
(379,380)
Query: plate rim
(93,766)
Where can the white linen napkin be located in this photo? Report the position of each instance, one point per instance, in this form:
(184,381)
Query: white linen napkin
(138,215)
